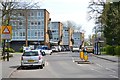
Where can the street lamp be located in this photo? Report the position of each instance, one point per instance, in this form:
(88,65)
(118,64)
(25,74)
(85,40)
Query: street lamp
(113,46)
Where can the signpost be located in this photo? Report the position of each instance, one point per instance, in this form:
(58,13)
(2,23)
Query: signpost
(6,34)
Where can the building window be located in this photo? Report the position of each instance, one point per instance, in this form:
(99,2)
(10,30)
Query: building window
(23,33)
(20,33)
(39,14)
(38,23)
(32,23)
(20,14)
(20,23)
(42,13)
(35,33)
(32,14)
(35,23)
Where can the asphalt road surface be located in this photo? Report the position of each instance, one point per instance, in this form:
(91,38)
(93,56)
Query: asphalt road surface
(64,65)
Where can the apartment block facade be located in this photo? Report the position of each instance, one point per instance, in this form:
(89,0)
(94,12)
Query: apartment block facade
(67,36)
(56,30)
(77,37)
(35,21)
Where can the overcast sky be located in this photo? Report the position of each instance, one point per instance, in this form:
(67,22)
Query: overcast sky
(73,10)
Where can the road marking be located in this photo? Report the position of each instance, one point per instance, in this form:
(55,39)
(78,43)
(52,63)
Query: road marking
(73,59)
(110,69)
(114,76)
(99,65)
(95,70)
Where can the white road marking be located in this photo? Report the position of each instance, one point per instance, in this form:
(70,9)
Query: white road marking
(95,70)
(73,59)
(99,65)
(110,69)
(114,76)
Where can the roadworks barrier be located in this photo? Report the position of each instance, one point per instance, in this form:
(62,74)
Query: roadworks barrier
(82,55)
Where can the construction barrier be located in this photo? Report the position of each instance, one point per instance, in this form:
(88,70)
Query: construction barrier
(81,55)
(85,56)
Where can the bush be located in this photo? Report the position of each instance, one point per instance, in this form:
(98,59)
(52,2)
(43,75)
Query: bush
(9,50)
(21,49)
(110,50)
(117,50)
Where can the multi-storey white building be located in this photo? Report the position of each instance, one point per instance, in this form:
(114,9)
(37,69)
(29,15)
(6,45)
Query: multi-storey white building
(77,38)
(37,21)
(65,38)
(56,29)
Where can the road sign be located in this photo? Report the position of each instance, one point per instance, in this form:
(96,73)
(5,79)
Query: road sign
(6,32)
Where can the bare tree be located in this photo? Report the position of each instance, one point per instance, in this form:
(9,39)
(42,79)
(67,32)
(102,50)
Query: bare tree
(10,8)
(95,9)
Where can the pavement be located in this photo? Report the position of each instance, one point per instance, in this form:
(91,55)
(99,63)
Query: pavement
(108,57)
(8,67)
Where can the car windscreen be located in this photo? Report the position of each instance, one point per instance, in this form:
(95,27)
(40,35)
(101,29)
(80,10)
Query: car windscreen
(31,53)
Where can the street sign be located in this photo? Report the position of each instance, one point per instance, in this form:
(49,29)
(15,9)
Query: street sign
(6,32)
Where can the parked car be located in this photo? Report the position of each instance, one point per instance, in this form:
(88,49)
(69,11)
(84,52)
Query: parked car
(32,58)
(63,48)
(44,49)
(75,48)
(54,49)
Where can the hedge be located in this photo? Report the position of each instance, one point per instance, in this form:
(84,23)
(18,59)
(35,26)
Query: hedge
(110,50)
(117,50)
(9,50)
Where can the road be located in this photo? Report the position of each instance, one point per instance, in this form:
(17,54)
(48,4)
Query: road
(63,65)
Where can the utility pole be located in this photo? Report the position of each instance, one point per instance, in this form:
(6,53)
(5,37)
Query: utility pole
(26,28)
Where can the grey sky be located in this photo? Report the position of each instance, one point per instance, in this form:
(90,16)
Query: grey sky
(73,10)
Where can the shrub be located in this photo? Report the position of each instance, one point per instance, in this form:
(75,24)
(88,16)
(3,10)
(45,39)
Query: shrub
(21,49)
(110,50)
(9,50)
(117,50)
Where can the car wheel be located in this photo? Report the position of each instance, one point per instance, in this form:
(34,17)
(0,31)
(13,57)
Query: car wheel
(51,53)
(41,66)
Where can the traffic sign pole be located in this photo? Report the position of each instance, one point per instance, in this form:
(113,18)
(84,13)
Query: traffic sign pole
(6,35)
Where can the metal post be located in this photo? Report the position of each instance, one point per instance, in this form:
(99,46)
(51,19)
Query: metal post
(7,52)
(3,54)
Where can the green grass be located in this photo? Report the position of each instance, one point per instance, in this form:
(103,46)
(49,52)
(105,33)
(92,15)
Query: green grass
(103,52)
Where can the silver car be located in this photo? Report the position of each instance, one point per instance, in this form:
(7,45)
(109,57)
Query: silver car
(32,58)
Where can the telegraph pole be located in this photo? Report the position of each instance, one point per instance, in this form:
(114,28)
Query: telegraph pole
(26,28)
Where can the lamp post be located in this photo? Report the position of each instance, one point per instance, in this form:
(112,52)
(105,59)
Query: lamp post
(113,46)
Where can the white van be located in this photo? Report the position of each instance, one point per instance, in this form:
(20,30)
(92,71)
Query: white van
(75,48)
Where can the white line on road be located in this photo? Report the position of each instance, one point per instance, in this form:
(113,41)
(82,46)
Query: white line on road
(114,76)
(110,69)
(99,65)
(95,70)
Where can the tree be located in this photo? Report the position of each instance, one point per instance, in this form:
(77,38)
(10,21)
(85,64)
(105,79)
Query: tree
(107,20)
(72,25)
(111,21)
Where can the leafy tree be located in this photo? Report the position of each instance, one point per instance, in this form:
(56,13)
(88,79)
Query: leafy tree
(111,21)
(107,19)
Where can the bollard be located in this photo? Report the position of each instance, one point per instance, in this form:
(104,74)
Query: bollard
(85,56)
(7,56)
(81,55)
